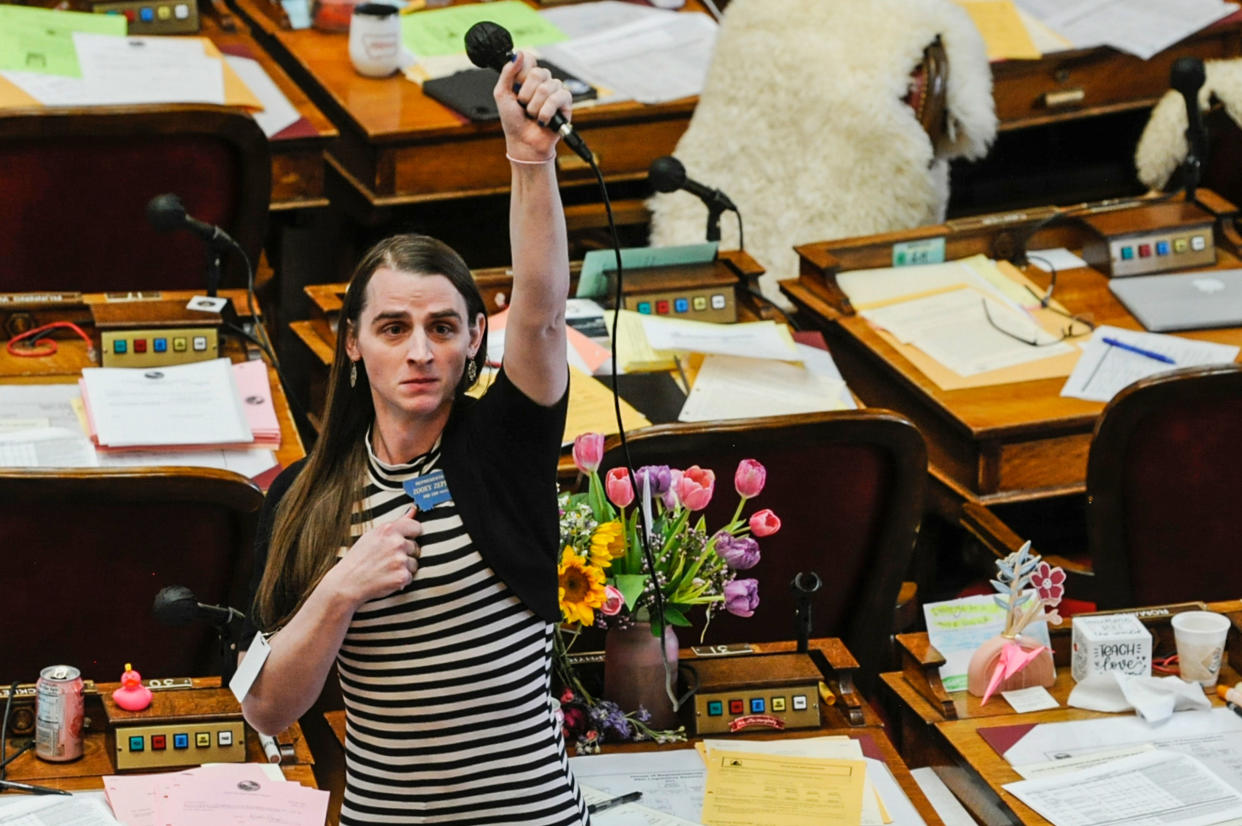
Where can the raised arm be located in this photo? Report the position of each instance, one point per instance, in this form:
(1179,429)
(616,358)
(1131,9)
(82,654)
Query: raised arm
(535,331)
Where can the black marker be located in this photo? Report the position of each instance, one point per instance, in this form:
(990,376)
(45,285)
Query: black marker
(616,801)
(26,787)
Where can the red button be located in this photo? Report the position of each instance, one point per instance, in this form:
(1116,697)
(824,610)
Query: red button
(140,345)
(1144,250)
(736,707)
(158,742)
(662,307)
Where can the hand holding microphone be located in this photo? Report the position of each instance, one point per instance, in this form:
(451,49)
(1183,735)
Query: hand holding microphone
(541,98)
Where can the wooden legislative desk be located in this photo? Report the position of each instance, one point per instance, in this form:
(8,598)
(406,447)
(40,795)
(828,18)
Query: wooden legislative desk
(849,715)
(939,729)
(989,445)
(65,367)
(96,762)
(399,147)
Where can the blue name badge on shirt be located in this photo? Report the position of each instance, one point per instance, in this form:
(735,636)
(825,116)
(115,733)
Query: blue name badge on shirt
(428,490)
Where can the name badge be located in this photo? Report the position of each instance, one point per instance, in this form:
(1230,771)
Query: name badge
(428,490)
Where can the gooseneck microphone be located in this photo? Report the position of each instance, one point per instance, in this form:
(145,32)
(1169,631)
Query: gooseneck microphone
(490,46)
(177,605)
(1187,77)
(667,174)
(166,213)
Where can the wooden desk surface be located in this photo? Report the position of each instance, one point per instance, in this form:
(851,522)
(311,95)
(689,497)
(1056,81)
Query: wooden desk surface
(399,146)
(298,164)
(965,761)
(96,762)
(65,367)
(989,445)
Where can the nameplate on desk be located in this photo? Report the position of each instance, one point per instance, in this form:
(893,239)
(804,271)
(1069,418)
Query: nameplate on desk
(37,300)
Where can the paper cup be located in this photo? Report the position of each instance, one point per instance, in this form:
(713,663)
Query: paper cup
(1200,638)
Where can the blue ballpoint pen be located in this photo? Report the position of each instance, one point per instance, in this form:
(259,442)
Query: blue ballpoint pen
(1131,348)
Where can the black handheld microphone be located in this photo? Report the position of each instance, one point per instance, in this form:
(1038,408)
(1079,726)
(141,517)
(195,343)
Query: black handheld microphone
(490,46)
(667,174)
(1187,77)
(166,213)
(177,605)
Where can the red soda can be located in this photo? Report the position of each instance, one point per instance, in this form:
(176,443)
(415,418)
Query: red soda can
(58,714)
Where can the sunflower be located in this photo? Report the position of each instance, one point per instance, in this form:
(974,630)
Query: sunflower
(581,588)
(607,543)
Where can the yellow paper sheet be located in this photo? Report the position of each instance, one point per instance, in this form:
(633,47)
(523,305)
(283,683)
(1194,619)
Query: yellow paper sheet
(746,789)
(1002,28)
(634,354)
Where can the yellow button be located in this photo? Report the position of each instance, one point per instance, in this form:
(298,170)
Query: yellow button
(778,703)
(1180,244)
(163,13)
(179,345)
(203,739)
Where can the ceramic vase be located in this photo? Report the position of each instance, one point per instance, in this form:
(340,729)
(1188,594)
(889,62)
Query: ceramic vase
(1039,671)
(634,671)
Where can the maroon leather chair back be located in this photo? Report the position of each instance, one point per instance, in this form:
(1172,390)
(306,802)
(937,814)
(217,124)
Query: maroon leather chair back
(87,550)
(848,488)
(76,182)
(1163,477)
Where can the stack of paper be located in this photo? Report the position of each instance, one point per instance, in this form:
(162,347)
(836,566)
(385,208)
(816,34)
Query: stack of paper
(1115,358)
(215,795)
(177,406)
(255,392)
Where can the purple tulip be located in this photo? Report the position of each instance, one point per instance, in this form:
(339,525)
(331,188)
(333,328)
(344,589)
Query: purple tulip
(741,597)
(659,476)
(739,553)
(670,496)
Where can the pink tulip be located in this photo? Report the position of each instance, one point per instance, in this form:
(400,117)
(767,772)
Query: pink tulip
(588,451)
(695,487)
(764,523)
(613,600)
(749,478)
(617,486)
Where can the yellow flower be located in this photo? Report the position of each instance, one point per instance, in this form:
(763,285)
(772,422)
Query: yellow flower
(607,543)
(581,588)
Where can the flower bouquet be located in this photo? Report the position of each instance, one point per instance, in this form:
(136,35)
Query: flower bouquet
(1029,590)
(605,580)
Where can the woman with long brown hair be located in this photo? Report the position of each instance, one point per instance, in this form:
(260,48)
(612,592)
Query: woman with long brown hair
(416,546)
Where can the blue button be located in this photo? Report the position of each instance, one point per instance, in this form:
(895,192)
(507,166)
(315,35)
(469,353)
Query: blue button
(136,742)
(181,741)
(756,705)
(146,14)
(715,708)
(120,345)
(1162,248)
(681,305)
(1127,253)
(644,307)
(159,345)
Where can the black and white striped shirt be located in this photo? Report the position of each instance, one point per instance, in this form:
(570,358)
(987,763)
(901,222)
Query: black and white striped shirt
(446,686)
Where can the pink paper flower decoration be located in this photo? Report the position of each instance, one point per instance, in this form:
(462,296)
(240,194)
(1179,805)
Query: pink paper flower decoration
(1047,580)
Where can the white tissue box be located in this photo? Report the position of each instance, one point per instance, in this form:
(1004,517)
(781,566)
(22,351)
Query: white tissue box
(1115,642)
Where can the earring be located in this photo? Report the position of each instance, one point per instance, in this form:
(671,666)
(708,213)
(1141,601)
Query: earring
(353,373)
(472,371)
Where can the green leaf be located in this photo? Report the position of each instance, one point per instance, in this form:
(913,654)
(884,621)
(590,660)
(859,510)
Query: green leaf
(674,617)
(631,587)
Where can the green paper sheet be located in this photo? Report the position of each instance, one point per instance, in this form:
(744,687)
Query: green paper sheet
(439,32)
(41,40)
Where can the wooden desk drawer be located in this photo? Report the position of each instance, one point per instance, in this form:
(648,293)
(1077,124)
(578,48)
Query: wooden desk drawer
(1077,84)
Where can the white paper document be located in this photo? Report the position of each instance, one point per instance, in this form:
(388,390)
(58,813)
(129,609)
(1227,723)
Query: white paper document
(277,111)
(729,387)
(1104,368)
(1139,27)
(1213,736)
(953,328)
(584,19)
(46,447)
(52,404)
(184,404)
(654,59)
(123,70)
(755,339)
(628,814)
(82,809)
(671,781)
(1154,789)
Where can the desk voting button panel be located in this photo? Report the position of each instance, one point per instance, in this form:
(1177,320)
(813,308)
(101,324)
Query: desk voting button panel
(1158,238)
(154,16)
(754,692)
(181,727)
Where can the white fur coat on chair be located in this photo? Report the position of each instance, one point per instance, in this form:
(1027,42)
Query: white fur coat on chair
(1162,146)
(802,123)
